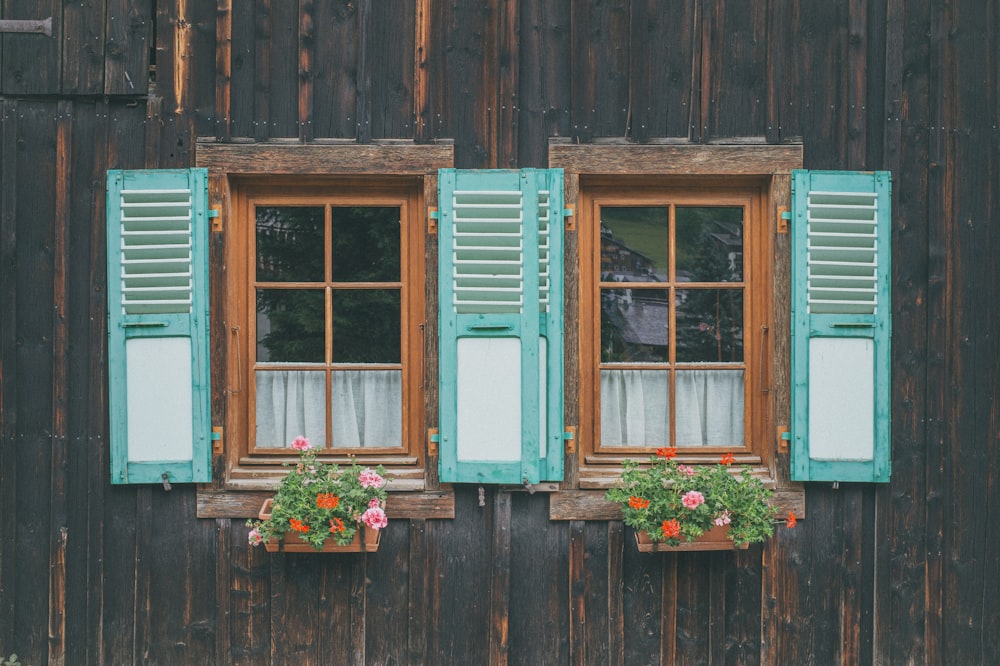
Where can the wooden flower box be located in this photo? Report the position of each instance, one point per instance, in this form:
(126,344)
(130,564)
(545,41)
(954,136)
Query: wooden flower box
(365,540)
(716,538)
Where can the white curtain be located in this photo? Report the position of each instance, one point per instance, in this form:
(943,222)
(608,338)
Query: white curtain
(366,406)
(635,408)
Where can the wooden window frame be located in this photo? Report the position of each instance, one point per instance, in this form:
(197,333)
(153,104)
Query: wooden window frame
(752,167)
(245,462)
(238,488)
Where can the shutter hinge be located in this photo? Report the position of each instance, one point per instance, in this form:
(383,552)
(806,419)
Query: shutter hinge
(569,212)
(784,436)
(432,441)
(784,218)
(570,438)
(217,440)
(215,214)
(432,220)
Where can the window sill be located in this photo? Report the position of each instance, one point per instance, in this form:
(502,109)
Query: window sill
(591,505)
(401,504)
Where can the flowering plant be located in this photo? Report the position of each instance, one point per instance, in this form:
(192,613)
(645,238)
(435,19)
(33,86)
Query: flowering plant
(318,500)
(674,503)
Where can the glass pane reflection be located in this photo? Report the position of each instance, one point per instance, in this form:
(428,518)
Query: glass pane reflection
(710,325)
(290,326)
(635,244)
(289,244)
(634,325)
(365,244)
(709,244)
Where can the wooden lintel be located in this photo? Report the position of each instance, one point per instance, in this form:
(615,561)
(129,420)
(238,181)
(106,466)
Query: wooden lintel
(42,27)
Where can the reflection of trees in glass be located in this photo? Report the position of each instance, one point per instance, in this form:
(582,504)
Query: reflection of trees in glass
(289,244)
(293,329)
(365,247)
(366,326)
(710,325)
(365,244)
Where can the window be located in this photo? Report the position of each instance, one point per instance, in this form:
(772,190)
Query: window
(681,294)
(675,311)
(326,286)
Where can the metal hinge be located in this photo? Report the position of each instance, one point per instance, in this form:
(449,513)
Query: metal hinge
(215,215)
(570,438)
(784,436)
(432,441)
(432,220)
(784,219)
(569,213)
(217,440)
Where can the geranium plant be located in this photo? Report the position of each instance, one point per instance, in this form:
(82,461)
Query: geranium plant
(318,501)
(672,502)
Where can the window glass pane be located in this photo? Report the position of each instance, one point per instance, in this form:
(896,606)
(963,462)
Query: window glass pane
(366,326)
(709,325)
(634,325)
(365,244)
(290,403)
(710,408)
(709,244)
(635,408)
(290,326)
(635,244)
(289,244)
(367,408)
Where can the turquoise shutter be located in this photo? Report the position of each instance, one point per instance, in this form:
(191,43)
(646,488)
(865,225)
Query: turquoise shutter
(840,326)
(158,326)
(501,326)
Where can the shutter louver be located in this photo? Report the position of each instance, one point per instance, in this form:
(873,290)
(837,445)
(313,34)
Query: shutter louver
(156,251)
(843,251)
(488,252)
(841,326)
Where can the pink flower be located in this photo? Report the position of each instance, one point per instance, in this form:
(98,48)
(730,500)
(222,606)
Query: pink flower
(375,518)
(374,503)
(254,538)
(301,443)
(369,478)
(686,469)
(723,518)
(693,499)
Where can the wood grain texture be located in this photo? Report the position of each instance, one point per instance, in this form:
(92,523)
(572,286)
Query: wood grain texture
(674,159)
(320,159)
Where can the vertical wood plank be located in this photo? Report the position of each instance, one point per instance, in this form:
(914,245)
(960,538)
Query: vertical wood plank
(858,75)
(600,56)
(58,527)
(422,128)
(363,110)
(392,65)
(223,68)
(571,334)
(261,118)
(126,54)
(660,83)
(544,43)
(8,366)
(649,589)
(223,591)
(335,86)
(616,588)
(577,594)
(420,619)
(30,64)
(500,581)
(84,48)
(600,616)
(307,44)
(248,638)
(506,105)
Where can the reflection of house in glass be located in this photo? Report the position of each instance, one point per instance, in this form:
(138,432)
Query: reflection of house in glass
(635,321)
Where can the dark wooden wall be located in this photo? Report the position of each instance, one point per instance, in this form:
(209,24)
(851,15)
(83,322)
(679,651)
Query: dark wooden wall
(899,574)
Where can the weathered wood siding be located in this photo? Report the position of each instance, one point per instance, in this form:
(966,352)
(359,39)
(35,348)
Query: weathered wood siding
(898,574)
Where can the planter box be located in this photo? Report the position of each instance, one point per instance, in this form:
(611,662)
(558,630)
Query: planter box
(365,540)
(716,538)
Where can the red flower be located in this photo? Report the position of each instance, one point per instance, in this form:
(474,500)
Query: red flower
(728,459)
(327,501)
(298,525)
(638,502)
(791,520)
(336,525)
(668,452)
(671,528)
